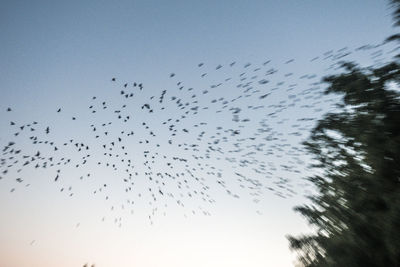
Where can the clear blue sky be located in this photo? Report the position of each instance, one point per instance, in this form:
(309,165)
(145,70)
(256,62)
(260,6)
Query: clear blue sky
(61,53)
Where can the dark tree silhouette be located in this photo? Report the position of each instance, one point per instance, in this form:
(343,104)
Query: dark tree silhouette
(356,211)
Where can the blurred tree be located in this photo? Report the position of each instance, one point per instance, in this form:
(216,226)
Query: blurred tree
(356,211)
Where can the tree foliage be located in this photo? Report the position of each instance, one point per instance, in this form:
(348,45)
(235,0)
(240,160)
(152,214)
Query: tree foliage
(356,211)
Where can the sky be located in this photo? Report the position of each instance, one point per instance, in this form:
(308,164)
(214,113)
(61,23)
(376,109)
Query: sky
(59,54)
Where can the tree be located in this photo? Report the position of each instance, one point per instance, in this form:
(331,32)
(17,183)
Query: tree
(356,211)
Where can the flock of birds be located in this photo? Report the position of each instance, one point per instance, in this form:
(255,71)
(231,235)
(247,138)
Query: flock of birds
(184,145)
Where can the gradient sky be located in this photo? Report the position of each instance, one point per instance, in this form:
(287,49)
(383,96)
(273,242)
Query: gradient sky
(60,53)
